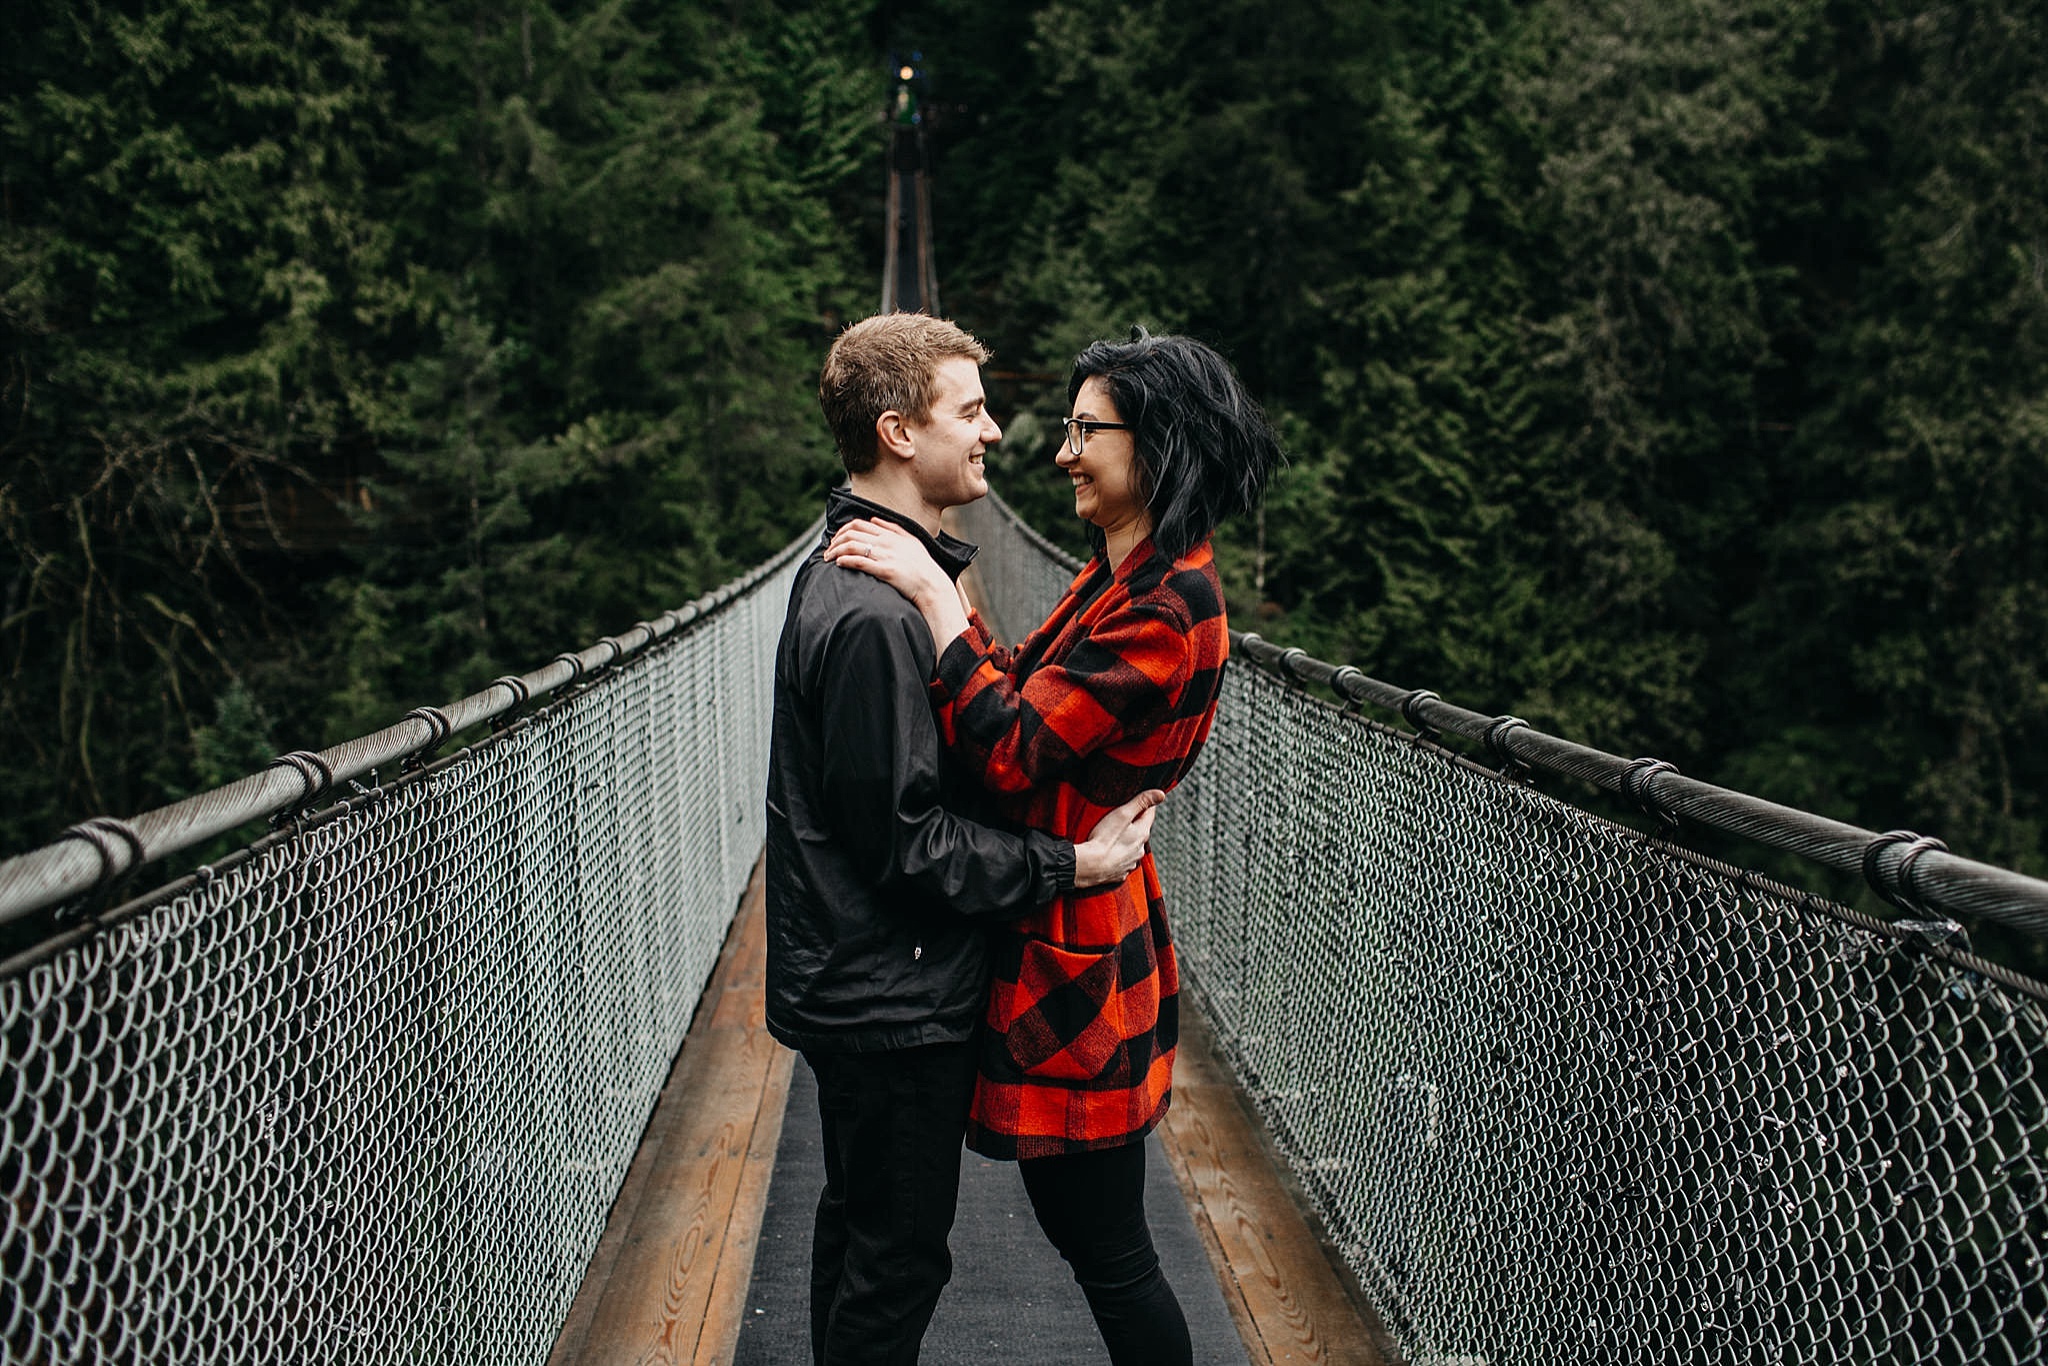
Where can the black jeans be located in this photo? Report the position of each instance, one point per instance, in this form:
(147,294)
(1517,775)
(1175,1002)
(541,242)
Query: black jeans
(893,1123)
(1092,1207)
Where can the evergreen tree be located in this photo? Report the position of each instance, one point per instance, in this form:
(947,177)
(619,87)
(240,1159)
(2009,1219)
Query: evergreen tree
(622,293)
(1905,592)
(358,355)
(1658,128)
(185,260)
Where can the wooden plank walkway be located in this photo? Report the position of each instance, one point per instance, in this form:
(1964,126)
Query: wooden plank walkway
(1292,1299)
(668,1282)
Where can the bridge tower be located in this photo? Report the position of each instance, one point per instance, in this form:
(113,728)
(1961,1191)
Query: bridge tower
(910,281)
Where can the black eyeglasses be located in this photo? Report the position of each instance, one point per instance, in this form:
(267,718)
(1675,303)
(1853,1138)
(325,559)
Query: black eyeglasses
(1078,429)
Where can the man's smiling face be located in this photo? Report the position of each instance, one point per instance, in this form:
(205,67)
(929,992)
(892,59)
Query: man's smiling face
(952,441)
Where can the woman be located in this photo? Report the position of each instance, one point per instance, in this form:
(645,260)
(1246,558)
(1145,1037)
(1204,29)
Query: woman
(1113,695)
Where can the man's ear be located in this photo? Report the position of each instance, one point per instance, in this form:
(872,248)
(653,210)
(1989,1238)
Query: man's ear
(892,436)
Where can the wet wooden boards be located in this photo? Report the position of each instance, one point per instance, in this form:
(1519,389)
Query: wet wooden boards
(668,1282)
(1292,1305)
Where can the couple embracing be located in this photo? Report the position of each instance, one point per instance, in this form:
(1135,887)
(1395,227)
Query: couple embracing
(966,935)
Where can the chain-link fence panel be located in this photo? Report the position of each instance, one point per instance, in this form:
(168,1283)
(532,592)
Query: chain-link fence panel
(1562,1092)
(367,1094)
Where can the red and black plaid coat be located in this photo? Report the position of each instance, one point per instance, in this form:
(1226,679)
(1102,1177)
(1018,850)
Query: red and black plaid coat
(1113,694)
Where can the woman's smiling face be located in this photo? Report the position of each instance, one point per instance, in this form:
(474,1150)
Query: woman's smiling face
(1105,473)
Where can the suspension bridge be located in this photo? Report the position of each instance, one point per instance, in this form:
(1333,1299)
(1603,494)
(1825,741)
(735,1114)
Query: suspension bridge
(463,1060)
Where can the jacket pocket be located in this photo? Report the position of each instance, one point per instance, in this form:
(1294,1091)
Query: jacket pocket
(1067,1018)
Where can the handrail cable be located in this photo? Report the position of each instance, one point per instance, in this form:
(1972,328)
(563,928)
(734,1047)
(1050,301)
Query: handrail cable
(98,852)
(1902,867)
(1916,874)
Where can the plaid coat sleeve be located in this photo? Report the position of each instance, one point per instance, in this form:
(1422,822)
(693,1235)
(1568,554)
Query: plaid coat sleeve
(985,643)
(1134,672)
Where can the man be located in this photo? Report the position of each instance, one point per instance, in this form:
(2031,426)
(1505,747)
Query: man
(877,970)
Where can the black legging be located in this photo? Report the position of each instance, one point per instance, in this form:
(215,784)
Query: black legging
(1092,1207)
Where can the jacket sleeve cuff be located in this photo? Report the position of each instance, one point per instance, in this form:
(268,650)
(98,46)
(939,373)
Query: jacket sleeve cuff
(956,665)
(1052,859)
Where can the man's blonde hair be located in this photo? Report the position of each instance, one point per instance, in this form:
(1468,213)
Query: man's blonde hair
(890,361)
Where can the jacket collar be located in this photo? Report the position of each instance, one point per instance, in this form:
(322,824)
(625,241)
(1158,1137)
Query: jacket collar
(950,552)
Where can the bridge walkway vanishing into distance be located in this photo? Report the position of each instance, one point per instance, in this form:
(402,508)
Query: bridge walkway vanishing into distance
(910,277)
(1554,1089)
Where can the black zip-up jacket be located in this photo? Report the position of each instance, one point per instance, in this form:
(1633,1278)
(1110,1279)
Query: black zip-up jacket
(878,880)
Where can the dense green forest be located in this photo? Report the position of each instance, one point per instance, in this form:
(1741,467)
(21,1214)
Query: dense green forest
(1674,376)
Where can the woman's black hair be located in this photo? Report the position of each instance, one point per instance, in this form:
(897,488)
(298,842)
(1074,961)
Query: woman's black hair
(1204,446)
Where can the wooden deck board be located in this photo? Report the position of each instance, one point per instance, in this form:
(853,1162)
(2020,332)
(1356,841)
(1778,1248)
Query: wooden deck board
(1292,1303)
(669,1279)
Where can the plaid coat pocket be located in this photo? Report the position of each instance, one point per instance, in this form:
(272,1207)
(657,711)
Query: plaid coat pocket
(1069,1020)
